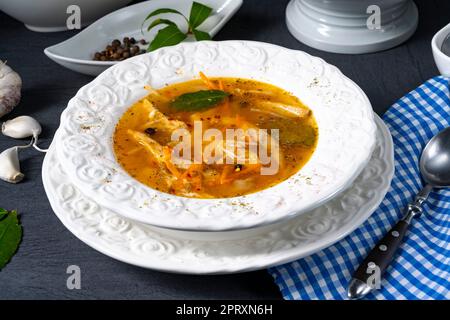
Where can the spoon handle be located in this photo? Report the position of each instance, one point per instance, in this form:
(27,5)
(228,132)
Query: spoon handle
(368,275)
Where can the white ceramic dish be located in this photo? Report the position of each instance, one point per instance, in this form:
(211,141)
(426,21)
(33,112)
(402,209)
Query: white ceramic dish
(77,52)
(441,59)
(51,15)
(342,25)
(342,110)
(223,252)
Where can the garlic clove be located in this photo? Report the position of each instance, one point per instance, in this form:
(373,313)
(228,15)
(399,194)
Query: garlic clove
(10,87)
(10,166)
(21,127)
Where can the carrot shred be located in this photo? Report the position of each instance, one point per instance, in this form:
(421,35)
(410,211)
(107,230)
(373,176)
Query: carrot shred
(155,92)
(227,169)
(239,121)
(206,80)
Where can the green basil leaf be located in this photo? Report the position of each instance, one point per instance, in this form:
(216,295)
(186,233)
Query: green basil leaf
(200,35)
(10,236)
(160,21)
(167,36)
(163,10)
(160,11)
(199,13)
(199,100)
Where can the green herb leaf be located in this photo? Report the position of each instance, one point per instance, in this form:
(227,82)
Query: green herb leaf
(10,236)
(199,100)
(200,35)
(160,11)
(199,13)
(3,213)
(160,21)
(171,34)
(167,36)
(163,10)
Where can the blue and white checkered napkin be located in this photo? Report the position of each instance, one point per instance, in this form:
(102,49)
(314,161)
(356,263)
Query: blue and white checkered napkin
(421,269)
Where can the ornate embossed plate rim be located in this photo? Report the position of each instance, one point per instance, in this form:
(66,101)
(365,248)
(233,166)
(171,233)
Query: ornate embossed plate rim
(199,265)
(296,195)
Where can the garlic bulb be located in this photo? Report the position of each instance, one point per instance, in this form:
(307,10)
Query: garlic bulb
(21,127)
(10,166)
(10,86)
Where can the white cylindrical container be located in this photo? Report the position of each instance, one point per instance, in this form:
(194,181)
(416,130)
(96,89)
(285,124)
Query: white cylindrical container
(350,26)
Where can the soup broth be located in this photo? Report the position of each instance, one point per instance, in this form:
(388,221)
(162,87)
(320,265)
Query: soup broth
(144,146)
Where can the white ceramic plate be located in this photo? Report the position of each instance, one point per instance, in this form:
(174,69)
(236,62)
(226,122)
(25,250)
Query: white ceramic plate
(219,252)
(342,110)
(77,52)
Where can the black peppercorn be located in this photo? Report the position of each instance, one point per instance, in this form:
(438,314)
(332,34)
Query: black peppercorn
(150,131)
(134,50)
(118,51)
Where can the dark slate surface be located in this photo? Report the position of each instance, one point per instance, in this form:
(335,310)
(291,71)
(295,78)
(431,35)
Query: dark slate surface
(38,269)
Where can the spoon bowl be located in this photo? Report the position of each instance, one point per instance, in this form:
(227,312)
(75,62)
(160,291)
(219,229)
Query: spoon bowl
(435,160)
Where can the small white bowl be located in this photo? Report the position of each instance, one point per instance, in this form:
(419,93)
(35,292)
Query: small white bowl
(441,59)
(51,15)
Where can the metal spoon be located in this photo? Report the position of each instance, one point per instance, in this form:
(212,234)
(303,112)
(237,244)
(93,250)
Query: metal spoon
(445,48)
(435,171)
